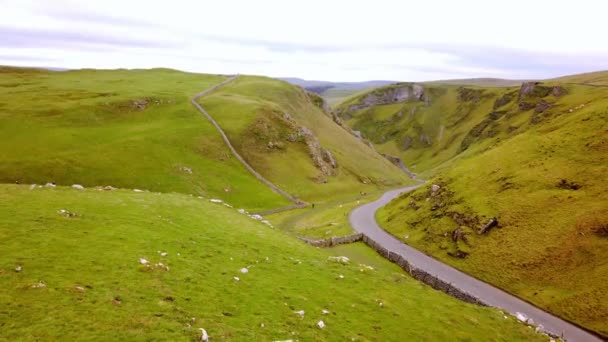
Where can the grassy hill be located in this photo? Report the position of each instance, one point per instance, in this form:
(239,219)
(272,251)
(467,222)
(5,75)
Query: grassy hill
(534,157)
(101,290)
(279,130)
(137,129)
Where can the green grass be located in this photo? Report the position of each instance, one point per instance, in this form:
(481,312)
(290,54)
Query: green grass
(97,289)
(252,110)
(552,245)
(325,220)
(83,127)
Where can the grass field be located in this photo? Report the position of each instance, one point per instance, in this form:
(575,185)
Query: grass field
(81,277)
(137,129)
(85,127)
(540,172)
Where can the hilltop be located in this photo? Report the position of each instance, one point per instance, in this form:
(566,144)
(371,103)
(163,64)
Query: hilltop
(529,159)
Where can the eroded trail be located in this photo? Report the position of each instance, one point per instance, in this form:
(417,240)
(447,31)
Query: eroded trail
(363,220)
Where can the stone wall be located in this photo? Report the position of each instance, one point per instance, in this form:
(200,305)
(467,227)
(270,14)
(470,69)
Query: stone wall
(420,274)
(333,241)
(417,273)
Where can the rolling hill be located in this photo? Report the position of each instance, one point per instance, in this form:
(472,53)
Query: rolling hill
(138,129)
(529,159)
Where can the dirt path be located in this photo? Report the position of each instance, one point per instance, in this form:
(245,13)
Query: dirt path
(298,203)
(363,220)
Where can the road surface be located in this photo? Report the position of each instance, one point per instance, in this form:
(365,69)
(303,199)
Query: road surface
(363,220)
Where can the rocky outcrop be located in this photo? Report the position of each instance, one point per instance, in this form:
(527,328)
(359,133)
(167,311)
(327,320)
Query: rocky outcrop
(469,94)
(393,94)
(399,163)
(531,90)
(503,100)
(321,157)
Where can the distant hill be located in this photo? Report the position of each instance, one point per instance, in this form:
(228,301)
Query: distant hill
(480,82)
(335,92)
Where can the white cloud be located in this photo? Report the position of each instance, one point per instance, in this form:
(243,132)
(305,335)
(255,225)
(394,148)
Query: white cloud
(335,40)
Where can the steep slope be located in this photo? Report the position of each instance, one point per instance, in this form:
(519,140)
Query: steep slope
(280,131)
(532,157)
(194,250)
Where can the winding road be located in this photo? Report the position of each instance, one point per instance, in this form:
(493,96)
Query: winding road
(363,220)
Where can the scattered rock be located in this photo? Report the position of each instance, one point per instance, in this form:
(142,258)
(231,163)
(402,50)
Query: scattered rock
(341,276)
(78,186)
(299,313)
(116,300)
(215,200)
(491,224)
(567,185)
(325,312)
(50,185)
(79,288)
(204,335)
(321,324)
(256,217)
(434,189)
(236,279)
(137,190)
(185,169)
(340,259)
(109,188)
(164,254)
(262,325)
(33,186)
(244,270)
(67,213)
(242,211)
(521,317)
(143,261)
(39,285)
(18,269)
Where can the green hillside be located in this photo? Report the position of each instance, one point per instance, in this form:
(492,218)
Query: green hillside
(534,157)
(101,289)
(279,130)
(137,129)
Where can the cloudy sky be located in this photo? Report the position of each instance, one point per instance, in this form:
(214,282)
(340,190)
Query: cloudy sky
(312,39)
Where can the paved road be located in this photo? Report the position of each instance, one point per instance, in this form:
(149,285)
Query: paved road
(363,220)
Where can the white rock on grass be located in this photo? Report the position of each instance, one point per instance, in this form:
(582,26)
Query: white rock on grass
(143,261)
(340,259)
(341,276)
(215,200)
(321,324)
(204,335)
(50,185)
(242,211)
(244,270)
(521,317)
(256,217)
(33,186)
(164,254)
(78,186)
(138,190)
(299,313)
(236,278)
(40,284)
(325,312)
(18,268)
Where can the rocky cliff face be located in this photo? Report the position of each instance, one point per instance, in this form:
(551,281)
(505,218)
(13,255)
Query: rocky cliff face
(396,94)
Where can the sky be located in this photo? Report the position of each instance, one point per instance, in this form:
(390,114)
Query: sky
(313,39)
